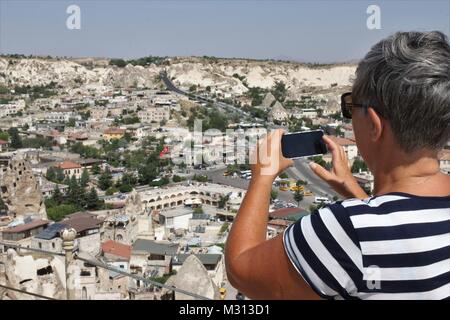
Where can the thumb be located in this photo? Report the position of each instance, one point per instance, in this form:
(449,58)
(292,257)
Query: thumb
(320,171)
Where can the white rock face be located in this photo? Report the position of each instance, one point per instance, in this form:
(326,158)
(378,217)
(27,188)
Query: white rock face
(219,74)
(68,73)
(264,74)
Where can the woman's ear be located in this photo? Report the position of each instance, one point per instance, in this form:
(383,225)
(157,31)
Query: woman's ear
(376,124)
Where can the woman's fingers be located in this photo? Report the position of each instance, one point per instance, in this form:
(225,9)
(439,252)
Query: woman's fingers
(321,172)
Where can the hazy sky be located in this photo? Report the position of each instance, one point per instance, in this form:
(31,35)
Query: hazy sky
(312,31)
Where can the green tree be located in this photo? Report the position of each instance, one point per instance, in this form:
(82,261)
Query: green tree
(125,188)
(128,179)
(57,213)
(279,91)
(92,200)
(51,174)
(96,169)
(223,201)
(57,196)
(4,136)
(111,191)
(105,180)
(118,62)
(60,176)
(283,175)
(16,140)
(74,192)
(273,195)
(359,164)
(198,210)
(319,160)
(71,122)
(177,178)
(298,196)
(84,180)
(148,172)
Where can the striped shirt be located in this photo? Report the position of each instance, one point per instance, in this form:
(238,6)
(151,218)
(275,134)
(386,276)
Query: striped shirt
(393,246)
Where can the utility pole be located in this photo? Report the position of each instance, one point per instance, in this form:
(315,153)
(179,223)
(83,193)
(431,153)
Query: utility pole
(68,237)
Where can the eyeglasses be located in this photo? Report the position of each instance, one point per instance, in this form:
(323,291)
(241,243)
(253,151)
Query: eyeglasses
(347,105)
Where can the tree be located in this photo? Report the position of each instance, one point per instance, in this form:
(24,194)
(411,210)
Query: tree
(177,178)
(298,196)
(128,179)
(96,169)
(198,210)
(51,174)
(75,192)
(125,188)
(16,141)
(148,172)
(319,160)
(111,191)
(200,178)
(105,180)
(84,180)
(273,195)
(92,200)
(57,213)
(223,201)
(59,175)
(4,136)
(71,122)
(279,91)
(57,196)
(283,175)
(118,62)
(359,164)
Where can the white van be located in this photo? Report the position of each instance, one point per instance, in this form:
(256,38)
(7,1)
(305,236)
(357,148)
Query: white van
(318,200)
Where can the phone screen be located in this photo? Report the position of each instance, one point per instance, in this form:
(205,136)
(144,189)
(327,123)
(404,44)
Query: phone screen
(303,144)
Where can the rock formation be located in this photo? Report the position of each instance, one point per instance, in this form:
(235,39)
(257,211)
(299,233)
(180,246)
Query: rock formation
(133,204)
(193,277)
(20,190)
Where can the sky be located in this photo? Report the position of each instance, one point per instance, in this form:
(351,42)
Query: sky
(308,31)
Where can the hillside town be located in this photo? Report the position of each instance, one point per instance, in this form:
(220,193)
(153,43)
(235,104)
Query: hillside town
(99,161)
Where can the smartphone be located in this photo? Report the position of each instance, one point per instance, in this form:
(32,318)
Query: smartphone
(303,144)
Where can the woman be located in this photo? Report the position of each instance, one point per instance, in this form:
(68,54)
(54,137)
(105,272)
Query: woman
(392,245)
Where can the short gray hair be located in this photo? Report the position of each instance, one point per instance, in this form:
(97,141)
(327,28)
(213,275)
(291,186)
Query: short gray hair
(405,78)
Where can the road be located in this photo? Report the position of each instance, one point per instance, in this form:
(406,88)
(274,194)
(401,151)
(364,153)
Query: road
(300,170)
(221,105)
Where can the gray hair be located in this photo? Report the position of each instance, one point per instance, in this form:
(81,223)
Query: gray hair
(405,78)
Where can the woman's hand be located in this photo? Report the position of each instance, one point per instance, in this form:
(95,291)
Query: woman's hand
(268,160)
(340,177)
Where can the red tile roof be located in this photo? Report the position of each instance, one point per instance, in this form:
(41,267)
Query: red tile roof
(28,226)
(117,249)
(68,165)
(279,222)
(342,141)
(3,142)
(284,212)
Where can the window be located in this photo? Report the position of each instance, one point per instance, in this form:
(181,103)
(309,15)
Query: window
(40,245)
(53,245)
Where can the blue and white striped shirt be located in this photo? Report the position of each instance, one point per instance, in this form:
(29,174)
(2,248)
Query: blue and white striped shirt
(393,246)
